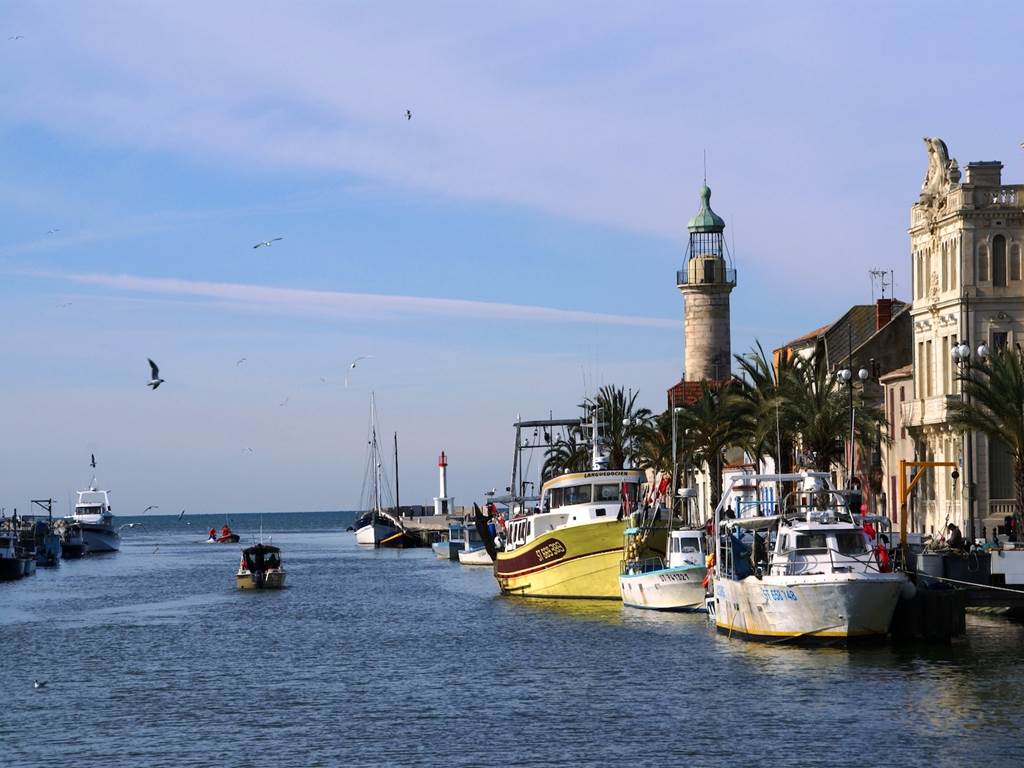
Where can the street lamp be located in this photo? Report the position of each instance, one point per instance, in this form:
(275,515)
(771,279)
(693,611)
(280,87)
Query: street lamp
(962,359)
(675,412)
(845,376)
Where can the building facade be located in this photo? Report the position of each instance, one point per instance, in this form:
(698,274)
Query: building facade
(966,240)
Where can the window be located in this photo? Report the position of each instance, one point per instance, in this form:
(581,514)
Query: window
(945,364)
(1000,470)
(903,429)
(999,339)
(929,368)
(556,498)
(919,371)
(954,256)
(892,410)
(999,261)
(576,494)
(945,270)
(606,492)
(709,271)
(851,543)
(1015,262)
(982,264)
(811,543)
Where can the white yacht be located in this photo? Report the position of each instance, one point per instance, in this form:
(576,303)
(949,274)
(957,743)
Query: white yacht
(93,516)
(802,570)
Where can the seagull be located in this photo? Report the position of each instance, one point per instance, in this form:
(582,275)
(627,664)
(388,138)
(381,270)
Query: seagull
(408,114)
(156,381)
(239,361)
(52,231)
(248,450)
(156,549)
(151,506)
(131,525)
(285,401)
(267,243)
(64,305)
(354,363)
(21,37)
(38,683)
(92,460)
(182,514)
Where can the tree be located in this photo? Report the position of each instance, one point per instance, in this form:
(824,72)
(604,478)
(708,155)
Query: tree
(625,424)
(993,404)
(766,428)
(707,427)
(565,455)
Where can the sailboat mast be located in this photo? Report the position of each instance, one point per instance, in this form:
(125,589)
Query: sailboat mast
(398,506)
(374,456)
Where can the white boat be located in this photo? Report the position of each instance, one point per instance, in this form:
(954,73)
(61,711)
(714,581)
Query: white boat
(803,570)
(475,557)
(377,527)
(92,514)
(675,585)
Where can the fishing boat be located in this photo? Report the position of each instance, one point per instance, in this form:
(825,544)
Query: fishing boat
(378,527)
(260,568)
(46,541)
(92,514)
(672,583)
(478,556)
(11,565)
(571,545)
(453,543)
(802,570)
(72,540)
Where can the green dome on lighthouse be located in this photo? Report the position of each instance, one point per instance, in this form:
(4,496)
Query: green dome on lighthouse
(706,220)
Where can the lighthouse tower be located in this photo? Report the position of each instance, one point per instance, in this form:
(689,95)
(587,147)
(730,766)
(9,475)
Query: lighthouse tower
(443,504)
(706,280)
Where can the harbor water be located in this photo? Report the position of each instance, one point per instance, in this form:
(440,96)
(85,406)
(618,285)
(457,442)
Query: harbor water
(397,658)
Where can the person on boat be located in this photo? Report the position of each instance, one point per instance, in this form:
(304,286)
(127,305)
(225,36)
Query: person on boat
(225,531)
(955,538)
(213,533)
(740,554)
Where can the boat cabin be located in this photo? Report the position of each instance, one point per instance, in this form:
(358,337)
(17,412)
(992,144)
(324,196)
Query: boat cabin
(686,548)
(260,558)
(92,502)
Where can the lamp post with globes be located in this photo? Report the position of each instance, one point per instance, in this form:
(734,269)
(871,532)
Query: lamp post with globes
(961,354)
(845,376)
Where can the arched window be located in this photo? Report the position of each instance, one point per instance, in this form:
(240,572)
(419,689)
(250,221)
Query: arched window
(954,257)
(998,261)
(945,268)
(982,264)
(1015,262)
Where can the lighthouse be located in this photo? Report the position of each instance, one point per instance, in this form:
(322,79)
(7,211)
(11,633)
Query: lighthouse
(706,280)
(443,504)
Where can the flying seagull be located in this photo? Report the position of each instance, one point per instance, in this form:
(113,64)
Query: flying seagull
(182,514)
(151,506)
(156,549)
(267,243)
(52,231)
(240,361)
(408,114)
(130,525)
(21,37)
(354,363)
(92,462)
(156,381)
(38,683)
(64,305)
(285,401)
(247,450)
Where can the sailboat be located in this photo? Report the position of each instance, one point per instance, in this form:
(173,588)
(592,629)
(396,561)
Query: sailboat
(376,527)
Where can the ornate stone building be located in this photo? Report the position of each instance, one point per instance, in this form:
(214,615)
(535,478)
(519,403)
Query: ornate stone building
(966,238)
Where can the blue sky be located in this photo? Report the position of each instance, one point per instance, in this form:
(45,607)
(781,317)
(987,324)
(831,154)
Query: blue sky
(511,245)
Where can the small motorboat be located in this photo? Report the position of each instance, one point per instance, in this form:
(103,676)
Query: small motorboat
(11,566)
(260,568)
(225,537)
(72,540)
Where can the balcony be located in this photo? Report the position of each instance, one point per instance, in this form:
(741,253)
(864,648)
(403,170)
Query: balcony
(930,410)
(684,277)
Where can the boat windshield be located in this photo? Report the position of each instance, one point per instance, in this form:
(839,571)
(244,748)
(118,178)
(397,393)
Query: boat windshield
(812,543)
(89,510)
(851,543)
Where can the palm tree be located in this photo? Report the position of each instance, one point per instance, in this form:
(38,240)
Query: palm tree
(819,411)
(993,404)
(654,450)
(707,427)
(766,427)
(625,424)
(565,455)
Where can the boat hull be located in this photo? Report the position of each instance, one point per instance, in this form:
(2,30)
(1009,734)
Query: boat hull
(272,580)
(574,562)
(829,608)
(101,539)
(475,557)
(666,589)
(11,568)
(73,551)
(441,550)
(373,534)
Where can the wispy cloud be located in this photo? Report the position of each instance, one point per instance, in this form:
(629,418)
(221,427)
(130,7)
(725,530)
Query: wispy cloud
(345,304)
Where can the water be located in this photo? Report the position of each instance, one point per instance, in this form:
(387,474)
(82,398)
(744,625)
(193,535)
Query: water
(397,658)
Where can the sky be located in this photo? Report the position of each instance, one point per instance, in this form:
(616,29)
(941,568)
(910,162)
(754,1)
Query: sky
(504,252)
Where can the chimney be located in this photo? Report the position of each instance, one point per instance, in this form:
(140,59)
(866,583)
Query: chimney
(985,174)
(883,313)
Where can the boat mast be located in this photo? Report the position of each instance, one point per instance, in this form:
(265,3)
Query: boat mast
(398,506)
(374,457)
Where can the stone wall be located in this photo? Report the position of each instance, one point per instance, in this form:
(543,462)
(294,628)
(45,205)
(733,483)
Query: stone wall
(707,332)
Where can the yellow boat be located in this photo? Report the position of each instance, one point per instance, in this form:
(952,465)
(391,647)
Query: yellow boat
(572,546)
(260,568)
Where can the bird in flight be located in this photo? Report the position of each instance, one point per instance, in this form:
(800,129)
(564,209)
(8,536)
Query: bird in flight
(267,243)
(19,37)
(240,361)
(38,683)
(248,450)
(52,231)
(354,363)
(130,525)
(408,114)
(156,381)
(182,514)
(92,460)
(151,506)
(285,401)
(156,549)
(64,305)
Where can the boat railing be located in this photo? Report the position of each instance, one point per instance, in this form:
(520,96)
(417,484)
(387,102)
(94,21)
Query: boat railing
(637,567)
(782,565)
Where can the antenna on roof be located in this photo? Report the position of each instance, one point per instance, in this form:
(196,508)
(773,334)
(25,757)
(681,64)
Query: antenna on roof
(881,276)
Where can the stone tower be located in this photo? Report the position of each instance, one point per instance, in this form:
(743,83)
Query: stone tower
(706,282)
